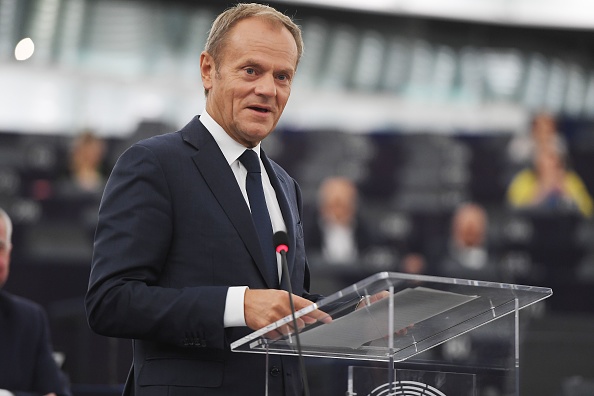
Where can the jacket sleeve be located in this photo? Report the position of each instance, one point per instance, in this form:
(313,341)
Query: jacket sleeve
(127,296)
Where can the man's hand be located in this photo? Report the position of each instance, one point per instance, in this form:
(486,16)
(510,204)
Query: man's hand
(262,307)
(368,300)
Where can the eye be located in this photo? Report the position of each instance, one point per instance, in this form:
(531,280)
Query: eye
(284,77)
(250,71)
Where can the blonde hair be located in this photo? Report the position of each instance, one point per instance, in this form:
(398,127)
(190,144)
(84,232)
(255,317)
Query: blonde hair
(229,18)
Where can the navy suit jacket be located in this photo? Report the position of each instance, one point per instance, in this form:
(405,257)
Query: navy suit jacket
(174,232)
(27,367)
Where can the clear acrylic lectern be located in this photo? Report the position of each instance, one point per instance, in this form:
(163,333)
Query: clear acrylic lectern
(392,317)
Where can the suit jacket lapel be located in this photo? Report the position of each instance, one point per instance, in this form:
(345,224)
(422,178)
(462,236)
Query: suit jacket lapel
(218,175)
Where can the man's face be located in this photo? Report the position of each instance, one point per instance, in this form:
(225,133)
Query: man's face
(339,202)
(5,247)
(250,86)
(470,228)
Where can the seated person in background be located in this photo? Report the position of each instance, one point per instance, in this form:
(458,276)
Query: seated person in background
(27,367)
(549,184)
(543,130)
(85,165)
(413,263)
(466,254)
(337,234)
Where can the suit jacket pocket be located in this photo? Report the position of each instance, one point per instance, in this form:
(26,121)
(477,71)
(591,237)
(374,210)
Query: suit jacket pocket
(181,372)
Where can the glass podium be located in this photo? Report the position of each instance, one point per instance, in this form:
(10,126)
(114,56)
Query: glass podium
(398,320)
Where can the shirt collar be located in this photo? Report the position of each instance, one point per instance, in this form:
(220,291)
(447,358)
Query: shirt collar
(230,148)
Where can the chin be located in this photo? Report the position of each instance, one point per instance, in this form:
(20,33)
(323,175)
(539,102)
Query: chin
(257,135)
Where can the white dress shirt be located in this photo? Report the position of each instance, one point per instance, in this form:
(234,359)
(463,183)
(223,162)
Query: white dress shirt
(232,150)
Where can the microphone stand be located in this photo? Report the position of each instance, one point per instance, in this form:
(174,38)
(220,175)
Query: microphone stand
(282,249)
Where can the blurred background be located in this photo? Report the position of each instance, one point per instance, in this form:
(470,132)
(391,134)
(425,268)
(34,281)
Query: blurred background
(444,138)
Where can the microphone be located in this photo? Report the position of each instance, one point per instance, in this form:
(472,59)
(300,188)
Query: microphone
(281,243)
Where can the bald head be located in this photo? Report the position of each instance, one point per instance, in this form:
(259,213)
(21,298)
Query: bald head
(469,225)
(338,200)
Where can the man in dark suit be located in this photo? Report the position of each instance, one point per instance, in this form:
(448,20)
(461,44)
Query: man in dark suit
(338,233)
(178,265)
(26,363)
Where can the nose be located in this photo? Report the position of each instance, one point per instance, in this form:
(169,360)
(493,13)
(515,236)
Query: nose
(266,86)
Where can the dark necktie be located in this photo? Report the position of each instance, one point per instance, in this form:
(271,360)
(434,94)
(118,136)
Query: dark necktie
(260,214)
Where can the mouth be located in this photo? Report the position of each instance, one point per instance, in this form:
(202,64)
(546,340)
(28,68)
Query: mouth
(260,109)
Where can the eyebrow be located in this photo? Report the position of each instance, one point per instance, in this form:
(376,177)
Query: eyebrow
(255,63)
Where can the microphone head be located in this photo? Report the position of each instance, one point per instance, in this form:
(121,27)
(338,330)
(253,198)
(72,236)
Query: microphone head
(281,241)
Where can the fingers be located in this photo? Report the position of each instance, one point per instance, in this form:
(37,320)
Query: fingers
(262,307)
(289,328)
(317,316)
(401,332)
(368,300)
(285,329)
(379,296)
(313,316)
(309,320)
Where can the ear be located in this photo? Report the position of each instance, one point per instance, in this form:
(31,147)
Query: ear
(207,69)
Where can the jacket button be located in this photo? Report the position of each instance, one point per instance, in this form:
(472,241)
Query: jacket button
(275,371)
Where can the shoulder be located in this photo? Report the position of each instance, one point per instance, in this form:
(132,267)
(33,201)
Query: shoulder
(526,174)
(573,178)
(191,137)
(524,177)
(160,149)
(19,301)
(160,143)
(20,307)
(575,184)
